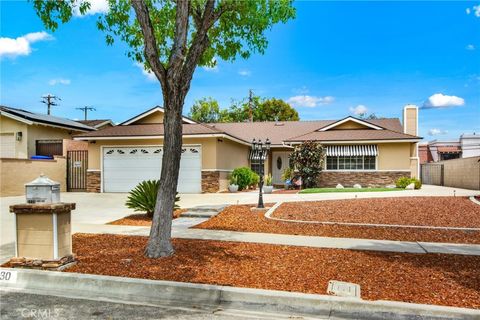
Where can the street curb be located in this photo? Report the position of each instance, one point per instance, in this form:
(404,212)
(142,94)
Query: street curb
(154,292)
(472,198)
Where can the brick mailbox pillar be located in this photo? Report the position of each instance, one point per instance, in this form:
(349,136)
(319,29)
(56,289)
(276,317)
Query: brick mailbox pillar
(43,235)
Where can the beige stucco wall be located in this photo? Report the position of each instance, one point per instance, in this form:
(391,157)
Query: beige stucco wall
(349,125)
(156,117)
(14,173)
(231,155)
(209,145)
(393,156)
(8,125)
(410,119)
(39,132)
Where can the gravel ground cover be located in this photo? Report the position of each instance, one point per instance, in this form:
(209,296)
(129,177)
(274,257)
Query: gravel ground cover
(240,218)
(140,219)
(451,280)
(419,211)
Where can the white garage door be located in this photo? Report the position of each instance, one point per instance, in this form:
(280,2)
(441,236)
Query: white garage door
(125,167)
(7,145)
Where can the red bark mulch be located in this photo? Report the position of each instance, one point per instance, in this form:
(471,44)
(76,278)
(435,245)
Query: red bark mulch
(420,211)
(141,219)
(240,218)
(451,280)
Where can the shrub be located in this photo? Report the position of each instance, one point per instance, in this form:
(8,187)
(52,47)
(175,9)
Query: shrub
(308,159)
(287,174)
(254,180)
(268,180)
(233,180)
(143,197)
(244,176)
(403,182)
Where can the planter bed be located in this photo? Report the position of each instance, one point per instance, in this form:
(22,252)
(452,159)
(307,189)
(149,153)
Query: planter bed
(140,219)
(418,211)
(333,190)
(450,280)
(240,218)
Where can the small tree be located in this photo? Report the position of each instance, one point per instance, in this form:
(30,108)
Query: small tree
(308,159)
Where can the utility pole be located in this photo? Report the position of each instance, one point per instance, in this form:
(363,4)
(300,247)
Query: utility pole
(250,111)
(50,100)
(85,110)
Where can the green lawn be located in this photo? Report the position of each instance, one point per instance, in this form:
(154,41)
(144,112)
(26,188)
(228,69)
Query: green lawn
(326,190)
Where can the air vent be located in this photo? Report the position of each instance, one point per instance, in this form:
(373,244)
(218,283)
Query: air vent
(279,124)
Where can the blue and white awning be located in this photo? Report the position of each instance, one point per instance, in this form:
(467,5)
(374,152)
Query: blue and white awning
(354,150)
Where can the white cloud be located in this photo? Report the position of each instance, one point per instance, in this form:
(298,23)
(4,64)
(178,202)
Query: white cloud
(244,73)
(147,73)
(302,90)
(439,100)
(54,82)
(96,6)
(436,132)
(309,101)
(475,10)
(470,47)
(359,110)
(20,46)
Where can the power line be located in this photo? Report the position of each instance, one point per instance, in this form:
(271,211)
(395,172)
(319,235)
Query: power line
(50,100)
(85,110)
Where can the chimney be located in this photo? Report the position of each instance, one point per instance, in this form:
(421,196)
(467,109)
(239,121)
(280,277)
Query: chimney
(410,119)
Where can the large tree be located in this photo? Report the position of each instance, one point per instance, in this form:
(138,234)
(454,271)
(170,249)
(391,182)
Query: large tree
(276,110)
(205,110)
(171,38)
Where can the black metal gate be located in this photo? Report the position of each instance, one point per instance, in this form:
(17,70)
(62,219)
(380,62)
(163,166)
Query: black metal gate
(77,164)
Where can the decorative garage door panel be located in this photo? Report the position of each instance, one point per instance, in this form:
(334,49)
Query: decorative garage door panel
(125,167)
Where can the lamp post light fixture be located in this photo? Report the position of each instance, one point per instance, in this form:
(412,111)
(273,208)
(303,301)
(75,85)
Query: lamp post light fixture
(259,154)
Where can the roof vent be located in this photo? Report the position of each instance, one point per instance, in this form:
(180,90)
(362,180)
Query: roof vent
(279,124)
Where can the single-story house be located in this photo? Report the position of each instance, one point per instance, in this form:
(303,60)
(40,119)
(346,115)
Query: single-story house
(24,134)
(369,152)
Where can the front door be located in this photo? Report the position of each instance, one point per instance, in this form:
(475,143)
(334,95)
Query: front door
(279,163)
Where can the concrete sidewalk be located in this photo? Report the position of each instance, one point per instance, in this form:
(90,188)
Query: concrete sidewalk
(181,229)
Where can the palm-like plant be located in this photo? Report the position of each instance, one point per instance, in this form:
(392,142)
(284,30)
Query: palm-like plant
(143,197)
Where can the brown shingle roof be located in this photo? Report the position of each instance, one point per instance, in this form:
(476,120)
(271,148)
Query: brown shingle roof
(93,123)
(348,135)
(277,132)
(153,129)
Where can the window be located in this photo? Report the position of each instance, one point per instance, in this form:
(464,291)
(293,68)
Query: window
(256,167)
(351,163)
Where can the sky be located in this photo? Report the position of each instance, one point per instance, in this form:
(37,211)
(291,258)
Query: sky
(333,60)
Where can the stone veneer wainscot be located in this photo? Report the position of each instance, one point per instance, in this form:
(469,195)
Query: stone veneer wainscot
(210,181)
(93,181)
(329,179)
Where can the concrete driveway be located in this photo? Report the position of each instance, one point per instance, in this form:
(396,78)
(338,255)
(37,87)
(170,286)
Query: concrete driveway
(100,208)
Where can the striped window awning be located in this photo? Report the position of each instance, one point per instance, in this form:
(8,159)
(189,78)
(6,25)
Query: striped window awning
(355,150)
(257,155)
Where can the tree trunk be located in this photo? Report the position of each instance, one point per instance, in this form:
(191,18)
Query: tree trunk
(159,243)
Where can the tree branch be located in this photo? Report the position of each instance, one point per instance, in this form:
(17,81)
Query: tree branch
(149,42)
(177,55)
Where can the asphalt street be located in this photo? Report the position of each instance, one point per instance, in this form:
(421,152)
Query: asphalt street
(16,305)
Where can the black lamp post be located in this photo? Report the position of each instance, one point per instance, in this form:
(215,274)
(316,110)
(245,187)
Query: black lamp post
(259,152)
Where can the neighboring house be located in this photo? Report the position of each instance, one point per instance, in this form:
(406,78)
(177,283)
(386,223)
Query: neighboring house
(467,146)
(24,134)
(369,152)
(98,123)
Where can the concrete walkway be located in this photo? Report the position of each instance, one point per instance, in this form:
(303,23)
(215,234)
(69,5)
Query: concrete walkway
(181,229)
